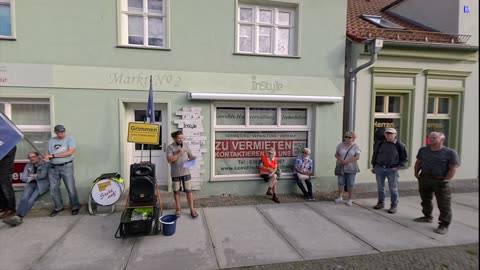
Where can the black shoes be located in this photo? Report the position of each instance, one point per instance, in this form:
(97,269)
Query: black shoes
(269,191)
(379,206)
(424,219)
(55,212)
(75,211)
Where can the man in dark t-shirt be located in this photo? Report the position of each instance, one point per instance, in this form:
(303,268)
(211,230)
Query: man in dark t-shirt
(435,167)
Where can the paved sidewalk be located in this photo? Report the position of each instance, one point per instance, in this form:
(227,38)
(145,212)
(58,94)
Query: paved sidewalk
(299,235)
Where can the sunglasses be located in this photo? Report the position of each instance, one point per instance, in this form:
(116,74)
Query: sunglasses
(348,137)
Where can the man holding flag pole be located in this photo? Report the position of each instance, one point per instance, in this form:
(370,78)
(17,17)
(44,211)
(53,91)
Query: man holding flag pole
(9,137)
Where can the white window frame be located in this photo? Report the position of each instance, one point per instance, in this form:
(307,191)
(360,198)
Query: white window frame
(11,3)
(7,103)
(123,25)
(436,114)
(385,113)
(247,127)
(293,39)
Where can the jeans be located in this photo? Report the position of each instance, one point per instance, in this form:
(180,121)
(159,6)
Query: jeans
(392,175)
(65,172)
(29,196)
(348,179)
(7,195)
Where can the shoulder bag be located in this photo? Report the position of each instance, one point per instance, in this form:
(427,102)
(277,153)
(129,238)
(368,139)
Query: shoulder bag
(338,167)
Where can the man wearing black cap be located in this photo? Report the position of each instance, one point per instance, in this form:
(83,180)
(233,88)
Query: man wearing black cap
(60,155)
(389,155)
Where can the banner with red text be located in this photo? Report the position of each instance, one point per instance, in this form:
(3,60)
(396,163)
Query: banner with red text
(240,152)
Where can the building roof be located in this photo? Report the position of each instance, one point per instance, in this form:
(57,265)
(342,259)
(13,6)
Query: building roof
(359,29)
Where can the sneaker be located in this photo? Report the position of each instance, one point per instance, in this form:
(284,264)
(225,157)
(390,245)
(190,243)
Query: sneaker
(349,203)
(13,221)
(441,229)
(379,206)
(393,209)
(339,200)
(424,219)
(312,199)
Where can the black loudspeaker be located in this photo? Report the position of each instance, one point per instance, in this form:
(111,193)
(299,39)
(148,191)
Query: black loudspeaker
(142,182)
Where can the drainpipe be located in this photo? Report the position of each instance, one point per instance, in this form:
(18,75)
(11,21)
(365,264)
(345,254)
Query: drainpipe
(374,46)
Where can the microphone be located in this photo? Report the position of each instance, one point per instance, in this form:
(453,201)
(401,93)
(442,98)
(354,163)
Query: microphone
(181,145)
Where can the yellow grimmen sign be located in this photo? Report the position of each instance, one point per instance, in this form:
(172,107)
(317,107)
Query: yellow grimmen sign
(143,133)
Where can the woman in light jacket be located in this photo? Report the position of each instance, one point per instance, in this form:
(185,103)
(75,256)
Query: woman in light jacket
(347,154)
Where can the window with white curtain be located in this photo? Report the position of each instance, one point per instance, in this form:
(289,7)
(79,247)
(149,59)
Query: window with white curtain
(6,18)
(32,117)
(266,30)
(144,23)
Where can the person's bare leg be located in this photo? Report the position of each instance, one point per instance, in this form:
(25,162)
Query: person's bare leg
(190,201)
(178,206)
(274,183)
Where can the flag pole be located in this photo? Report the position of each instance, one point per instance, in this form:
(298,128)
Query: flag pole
(23,136)
(151,112)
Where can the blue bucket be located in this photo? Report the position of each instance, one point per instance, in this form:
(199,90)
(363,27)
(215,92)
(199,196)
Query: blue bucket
(169,224)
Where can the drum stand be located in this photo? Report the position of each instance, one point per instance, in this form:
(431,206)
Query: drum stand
(93,207)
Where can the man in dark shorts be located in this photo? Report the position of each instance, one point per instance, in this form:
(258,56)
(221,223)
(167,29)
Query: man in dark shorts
(435,167)
(177,154)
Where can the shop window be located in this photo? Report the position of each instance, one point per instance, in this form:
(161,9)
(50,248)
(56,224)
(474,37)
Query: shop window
(242,133)
(268,30)
(388,113)
(144,23)
(6,18)
(439,116)
(32,117)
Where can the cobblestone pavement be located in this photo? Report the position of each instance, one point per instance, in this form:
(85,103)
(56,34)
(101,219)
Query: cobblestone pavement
(462,257)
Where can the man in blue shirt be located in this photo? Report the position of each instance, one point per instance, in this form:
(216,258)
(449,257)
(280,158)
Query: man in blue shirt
(60,154)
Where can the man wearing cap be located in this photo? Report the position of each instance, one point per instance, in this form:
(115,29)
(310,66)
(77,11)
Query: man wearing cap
(389,155)
(60,154)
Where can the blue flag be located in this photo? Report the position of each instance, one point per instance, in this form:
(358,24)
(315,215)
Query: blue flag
(9,135)
(150,104)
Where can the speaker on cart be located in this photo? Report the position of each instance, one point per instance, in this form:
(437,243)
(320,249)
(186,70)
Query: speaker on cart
(142,182)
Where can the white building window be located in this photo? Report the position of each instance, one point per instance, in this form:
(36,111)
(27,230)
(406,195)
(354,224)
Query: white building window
(32,117)
(6,18)
(243,133)
(388,114)
(144,23)
(266,30)
(439,116)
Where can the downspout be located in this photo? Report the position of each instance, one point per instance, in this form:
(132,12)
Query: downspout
(374,46)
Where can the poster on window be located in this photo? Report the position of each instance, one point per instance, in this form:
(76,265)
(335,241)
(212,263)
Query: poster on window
(381,124)
(438,125)
(240,152)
